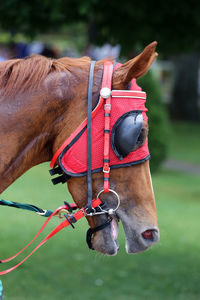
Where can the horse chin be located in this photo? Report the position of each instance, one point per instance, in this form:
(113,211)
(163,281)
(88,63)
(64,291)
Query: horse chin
(105,241)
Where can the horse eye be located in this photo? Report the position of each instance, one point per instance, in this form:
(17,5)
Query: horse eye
(141,137)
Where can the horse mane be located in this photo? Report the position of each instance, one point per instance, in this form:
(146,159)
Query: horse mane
(18,75)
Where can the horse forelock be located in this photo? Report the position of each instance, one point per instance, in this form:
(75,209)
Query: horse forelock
(20,75)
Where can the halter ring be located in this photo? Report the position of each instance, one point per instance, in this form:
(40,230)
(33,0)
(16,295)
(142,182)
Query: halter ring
(111,210)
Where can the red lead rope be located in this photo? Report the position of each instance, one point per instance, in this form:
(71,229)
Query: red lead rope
(72,218)
(106,94)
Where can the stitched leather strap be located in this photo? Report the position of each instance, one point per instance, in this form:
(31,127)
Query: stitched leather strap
(93,230)
(89,136)
(106,83)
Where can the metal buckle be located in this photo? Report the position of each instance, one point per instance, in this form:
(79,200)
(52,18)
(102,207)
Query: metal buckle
(91,213)
(41,213)
(60,213)
(106,171)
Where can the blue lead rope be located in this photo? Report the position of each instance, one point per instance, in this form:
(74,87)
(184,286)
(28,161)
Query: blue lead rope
(39,211)
(1,290)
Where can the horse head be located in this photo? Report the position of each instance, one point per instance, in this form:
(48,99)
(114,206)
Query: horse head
(42,102)
(137,210)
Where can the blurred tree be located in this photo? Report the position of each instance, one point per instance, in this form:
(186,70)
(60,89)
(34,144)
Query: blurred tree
(185,94)
(159,129)
(174,24)
(30,17)
(125,23)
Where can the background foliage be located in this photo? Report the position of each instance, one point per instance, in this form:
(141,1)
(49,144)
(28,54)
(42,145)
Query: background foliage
(159,128)
(125,23)
(65,268)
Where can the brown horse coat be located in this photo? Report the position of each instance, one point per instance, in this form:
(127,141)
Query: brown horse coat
(42,102)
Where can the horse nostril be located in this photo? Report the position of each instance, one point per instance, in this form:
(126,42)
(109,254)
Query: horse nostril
(148,234)
(151,235)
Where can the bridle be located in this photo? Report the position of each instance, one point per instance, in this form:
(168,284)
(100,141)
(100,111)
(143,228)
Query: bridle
(105,97)
(105,93)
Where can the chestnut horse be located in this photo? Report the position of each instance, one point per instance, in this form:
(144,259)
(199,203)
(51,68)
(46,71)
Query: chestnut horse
(42,101)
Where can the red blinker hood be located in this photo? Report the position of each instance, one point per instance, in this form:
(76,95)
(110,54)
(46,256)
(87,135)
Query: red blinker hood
(72,155)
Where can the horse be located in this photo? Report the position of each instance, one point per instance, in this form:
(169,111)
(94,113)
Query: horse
(42,101)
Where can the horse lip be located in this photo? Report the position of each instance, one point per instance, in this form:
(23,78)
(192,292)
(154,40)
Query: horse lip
(114,229)
(105,241)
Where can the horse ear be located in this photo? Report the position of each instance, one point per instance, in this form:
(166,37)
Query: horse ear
(135,67)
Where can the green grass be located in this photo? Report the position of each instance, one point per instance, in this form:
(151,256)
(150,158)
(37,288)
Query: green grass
(185,142)
(65,269)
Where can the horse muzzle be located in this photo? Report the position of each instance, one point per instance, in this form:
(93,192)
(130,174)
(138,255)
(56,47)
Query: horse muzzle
(138,242)
(139,237)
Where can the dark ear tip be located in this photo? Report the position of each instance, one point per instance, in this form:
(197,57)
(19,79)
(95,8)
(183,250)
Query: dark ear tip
(151,47)
(153,44)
